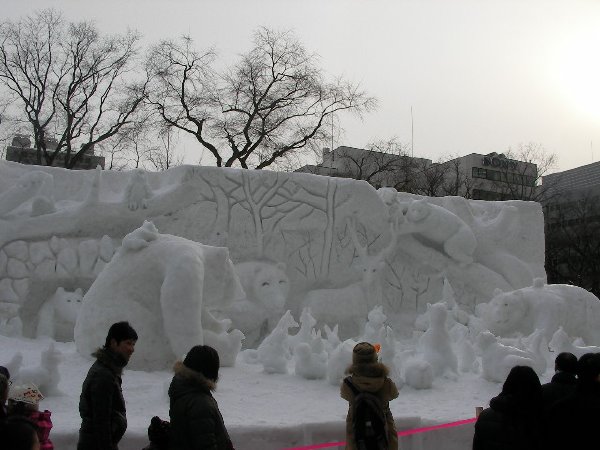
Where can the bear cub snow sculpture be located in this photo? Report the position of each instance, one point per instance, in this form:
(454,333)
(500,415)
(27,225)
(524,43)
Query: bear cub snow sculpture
(441,227)
(58,314)
(166,287)
(544,307)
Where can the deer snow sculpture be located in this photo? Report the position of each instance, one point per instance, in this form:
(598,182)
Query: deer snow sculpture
(349,305)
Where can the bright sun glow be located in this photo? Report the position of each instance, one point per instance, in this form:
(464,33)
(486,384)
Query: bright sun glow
(579,71)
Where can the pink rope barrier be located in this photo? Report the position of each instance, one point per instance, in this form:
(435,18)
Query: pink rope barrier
(400,434)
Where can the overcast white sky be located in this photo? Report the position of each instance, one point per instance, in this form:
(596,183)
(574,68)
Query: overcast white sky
(480,75)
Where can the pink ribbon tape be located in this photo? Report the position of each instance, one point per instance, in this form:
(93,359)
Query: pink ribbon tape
(401,433)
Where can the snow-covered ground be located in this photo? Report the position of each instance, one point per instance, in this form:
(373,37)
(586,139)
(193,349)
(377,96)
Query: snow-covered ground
(263,412)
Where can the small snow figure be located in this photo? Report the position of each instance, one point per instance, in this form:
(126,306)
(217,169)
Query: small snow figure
(227,344)
(332,340)
(137,192)
(375,326)
(274,352)
(418,374)
(58,314)
(467,358)
(497,359)
(435,346)
(46,376)
(311,362)
(561,342)
(304,335)
(339,360)
(11,327)
(388,356)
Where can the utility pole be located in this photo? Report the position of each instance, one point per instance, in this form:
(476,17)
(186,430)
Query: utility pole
(412,134)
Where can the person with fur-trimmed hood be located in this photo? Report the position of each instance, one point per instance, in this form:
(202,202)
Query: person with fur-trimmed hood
(367,374)
(196,422)
(101,405)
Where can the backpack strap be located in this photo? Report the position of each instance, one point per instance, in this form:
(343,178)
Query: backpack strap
(351,386)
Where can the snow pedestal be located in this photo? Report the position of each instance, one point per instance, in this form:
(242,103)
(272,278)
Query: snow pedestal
(269,438)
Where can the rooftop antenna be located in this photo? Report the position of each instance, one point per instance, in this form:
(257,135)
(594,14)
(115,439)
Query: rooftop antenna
(592,149)
(412,134)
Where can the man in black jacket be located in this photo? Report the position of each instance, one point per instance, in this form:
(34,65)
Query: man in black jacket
(572,423)
(563,381)
(101,405)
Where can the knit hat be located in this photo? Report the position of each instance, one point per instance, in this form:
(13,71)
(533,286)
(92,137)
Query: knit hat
(27,393)
(364,353)
(203,359)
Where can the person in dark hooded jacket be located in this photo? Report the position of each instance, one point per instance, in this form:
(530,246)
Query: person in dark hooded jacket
(101,405)
(196,422)
(563,382)
(573,421)
(367,374)
(512,422)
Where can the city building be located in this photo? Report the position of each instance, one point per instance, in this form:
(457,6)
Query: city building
(22,152)
(571,204)
(476,176)
(492,177)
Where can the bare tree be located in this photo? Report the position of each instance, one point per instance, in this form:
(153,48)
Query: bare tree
(429,178)
(274,102)
(69,82)
(456,181)
(164,155)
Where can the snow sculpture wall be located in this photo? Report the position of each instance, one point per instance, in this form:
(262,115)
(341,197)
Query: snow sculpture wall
(338,238)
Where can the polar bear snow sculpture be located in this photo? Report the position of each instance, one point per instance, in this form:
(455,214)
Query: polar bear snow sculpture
(440,227)
(266,287)
(545,307)
(165,286)
(58,314)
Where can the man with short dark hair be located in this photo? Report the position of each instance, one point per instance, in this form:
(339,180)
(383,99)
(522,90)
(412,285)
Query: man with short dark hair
(101,405)
(563,382)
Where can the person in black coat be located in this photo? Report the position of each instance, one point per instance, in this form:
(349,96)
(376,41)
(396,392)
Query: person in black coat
(563,382)
(512,422)
(196,422)
(101,405)
(573,421)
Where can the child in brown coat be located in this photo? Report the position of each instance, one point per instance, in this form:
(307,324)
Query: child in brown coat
(369,375)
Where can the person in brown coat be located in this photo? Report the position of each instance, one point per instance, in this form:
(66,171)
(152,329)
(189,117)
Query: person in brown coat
(367,374)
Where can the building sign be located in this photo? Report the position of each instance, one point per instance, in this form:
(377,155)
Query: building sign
(500,161)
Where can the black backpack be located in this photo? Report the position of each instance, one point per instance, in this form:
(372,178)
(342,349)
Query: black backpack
(368,420)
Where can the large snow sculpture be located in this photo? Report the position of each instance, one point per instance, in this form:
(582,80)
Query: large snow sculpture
(267,287)
(546,307)
(440,227)
(58,314)
(165,286)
